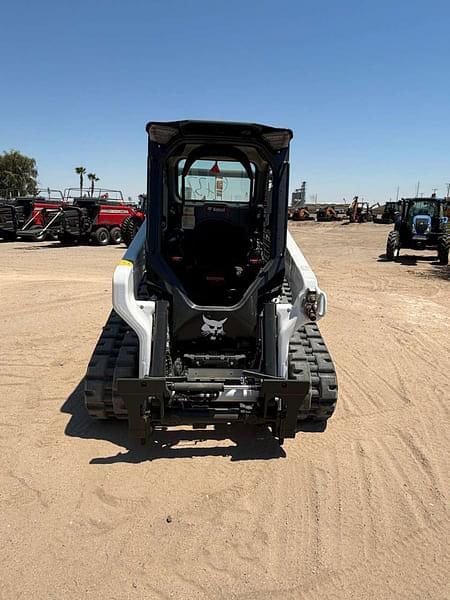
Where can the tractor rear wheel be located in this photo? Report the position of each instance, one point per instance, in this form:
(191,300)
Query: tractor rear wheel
(129,228)
(124,230)
(442,249)
(115,235)
(101,236)
(393,243)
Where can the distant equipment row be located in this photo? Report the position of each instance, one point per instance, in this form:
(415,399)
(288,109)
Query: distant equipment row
(101,217)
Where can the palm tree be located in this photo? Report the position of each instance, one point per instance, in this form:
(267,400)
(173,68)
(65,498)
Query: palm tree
(80,171)
(93,178)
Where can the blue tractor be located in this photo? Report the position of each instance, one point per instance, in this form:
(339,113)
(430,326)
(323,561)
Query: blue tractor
(421,224)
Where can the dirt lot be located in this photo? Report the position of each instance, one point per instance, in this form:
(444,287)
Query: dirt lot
(359,511)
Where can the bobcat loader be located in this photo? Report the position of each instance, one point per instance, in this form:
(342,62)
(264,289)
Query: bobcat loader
(215,306)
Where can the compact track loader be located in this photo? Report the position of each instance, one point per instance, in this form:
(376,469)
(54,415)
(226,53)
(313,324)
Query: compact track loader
(215,306)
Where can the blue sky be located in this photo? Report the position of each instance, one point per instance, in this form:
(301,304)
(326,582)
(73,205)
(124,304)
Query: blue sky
(364,85)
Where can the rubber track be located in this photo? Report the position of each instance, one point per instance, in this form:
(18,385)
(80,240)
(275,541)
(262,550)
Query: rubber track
(98,392)
(126,366)
(309,359)
(116,356)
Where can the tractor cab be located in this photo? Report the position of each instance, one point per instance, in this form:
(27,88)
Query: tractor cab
(359,211)
(421,224)
(142,203)
(390,211)
(423,216)
(386,213)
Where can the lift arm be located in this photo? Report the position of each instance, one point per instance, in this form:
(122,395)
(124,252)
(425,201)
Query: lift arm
(137,313)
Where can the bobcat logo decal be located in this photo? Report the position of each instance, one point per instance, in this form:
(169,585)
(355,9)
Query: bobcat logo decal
(213,329)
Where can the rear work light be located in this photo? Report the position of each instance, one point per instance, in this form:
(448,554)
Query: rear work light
(162,134)
(278,139)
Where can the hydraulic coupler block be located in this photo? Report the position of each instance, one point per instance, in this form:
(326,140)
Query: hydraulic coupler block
(310,305)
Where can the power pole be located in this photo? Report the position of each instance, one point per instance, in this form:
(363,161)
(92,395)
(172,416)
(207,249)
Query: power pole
(417,190)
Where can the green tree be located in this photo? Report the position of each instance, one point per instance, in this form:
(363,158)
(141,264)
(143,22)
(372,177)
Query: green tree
(80,171)
(93,178)
(18,173)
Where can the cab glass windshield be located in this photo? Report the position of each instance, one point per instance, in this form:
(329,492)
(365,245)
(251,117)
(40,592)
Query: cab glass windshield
(424,208)
(214,181)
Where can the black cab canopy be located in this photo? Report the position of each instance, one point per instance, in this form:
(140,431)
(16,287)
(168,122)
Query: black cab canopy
(165,132)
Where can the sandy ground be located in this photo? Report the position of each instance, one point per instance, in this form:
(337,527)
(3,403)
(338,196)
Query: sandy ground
(359,511)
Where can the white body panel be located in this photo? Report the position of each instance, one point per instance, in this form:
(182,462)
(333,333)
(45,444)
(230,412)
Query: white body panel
(138,314)
(302,280)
